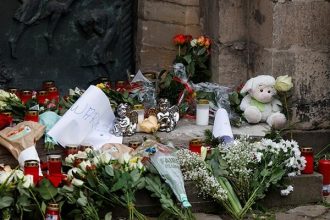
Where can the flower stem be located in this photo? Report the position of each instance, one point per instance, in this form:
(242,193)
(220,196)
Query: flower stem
(39,207)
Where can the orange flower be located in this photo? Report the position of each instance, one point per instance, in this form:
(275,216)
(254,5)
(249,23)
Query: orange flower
(201,40)
(179,39)
(207,42)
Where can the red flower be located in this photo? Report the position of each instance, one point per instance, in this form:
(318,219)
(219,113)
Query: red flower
(179,39)
(207,42)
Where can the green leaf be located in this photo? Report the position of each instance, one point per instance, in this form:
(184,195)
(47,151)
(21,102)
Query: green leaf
(201,51)
(109,170)
(46,189)
(187,58)
(6,201)
(264,172)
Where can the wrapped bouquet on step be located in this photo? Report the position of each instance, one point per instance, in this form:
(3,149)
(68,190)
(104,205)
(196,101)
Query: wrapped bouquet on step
(20,140)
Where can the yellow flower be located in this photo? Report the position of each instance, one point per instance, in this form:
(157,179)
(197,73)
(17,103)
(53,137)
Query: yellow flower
(100,86)
(283,83)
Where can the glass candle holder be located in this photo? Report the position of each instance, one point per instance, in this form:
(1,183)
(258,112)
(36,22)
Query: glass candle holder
(31,115)
(307,152)
(195,145)
(202,112)
(53,94)
(53,212)
(14,91)
(26,95)
(120,86)
(54,164)
(83,147)
(140,110)
(134,144)
(78,160)
(42,96)
(47,84)
(31,167)
(71,149)
(9,116)
(324,169)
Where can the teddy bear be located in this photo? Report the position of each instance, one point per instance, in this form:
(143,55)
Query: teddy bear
(259,105)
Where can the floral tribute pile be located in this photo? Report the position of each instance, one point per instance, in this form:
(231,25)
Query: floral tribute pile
(93,184)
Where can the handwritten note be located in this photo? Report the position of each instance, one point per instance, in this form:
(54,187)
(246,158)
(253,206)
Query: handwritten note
(88,121)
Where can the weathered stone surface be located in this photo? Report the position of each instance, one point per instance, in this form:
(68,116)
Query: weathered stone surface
(304,23)
(192,15)
(300,195)
(287,216)
(309,210)
(232,20)
(204,216)
(164,11)
(260,22)
(155,58)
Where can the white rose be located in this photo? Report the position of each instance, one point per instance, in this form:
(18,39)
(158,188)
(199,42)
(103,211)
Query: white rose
(27,181)
(77,182)
(193,43)
(18,175)
(84,164)
(72,171)
(105,158)
(139,165)
(4,176)
(283,83)
(124,159)
(69,159)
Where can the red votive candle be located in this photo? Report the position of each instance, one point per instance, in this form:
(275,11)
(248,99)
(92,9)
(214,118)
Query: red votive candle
(324,169)
(47,84)
(53,212)
(26,95)
(120,86)
(307,152)
(31,167)
(31,115)
(53,94)
(195,145)
(14,91)
(54,164)
(42,96)
(71,149)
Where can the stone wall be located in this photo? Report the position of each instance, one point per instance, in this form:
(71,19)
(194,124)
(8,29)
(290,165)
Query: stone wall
(278,38)
(158,22)
(293,37)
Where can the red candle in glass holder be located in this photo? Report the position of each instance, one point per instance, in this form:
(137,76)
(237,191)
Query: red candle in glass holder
(195,145)
(324,169)
(14,91)
(53,212)
(54,164)
(71,149)
(9,117)
(31,115)
(47,84)
(42,96)
(78,160)
(26,95)
(53,94)
(31,167)
(307,152)
(120,86)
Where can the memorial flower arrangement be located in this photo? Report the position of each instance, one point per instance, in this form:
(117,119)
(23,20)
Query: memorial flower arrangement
(243,171)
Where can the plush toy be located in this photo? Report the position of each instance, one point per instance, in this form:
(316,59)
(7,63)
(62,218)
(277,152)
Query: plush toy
(259,105)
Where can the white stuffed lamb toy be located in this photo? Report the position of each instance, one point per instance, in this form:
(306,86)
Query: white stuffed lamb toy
(259,105)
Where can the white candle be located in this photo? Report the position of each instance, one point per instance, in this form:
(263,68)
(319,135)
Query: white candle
(140,110)
(202,112)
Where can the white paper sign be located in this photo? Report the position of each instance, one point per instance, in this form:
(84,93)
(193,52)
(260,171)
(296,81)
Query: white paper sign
(88,121)
(222,125)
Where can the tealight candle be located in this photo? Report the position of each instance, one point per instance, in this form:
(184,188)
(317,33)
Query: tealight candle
(202,112)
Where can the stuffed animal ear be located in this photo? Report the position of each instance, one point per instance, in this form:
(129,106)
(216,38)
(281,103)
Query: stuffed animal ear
(248,86)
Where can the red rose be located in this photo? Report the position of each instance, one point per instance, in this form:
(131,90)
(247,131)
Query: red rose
(179,39)
(207,42)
